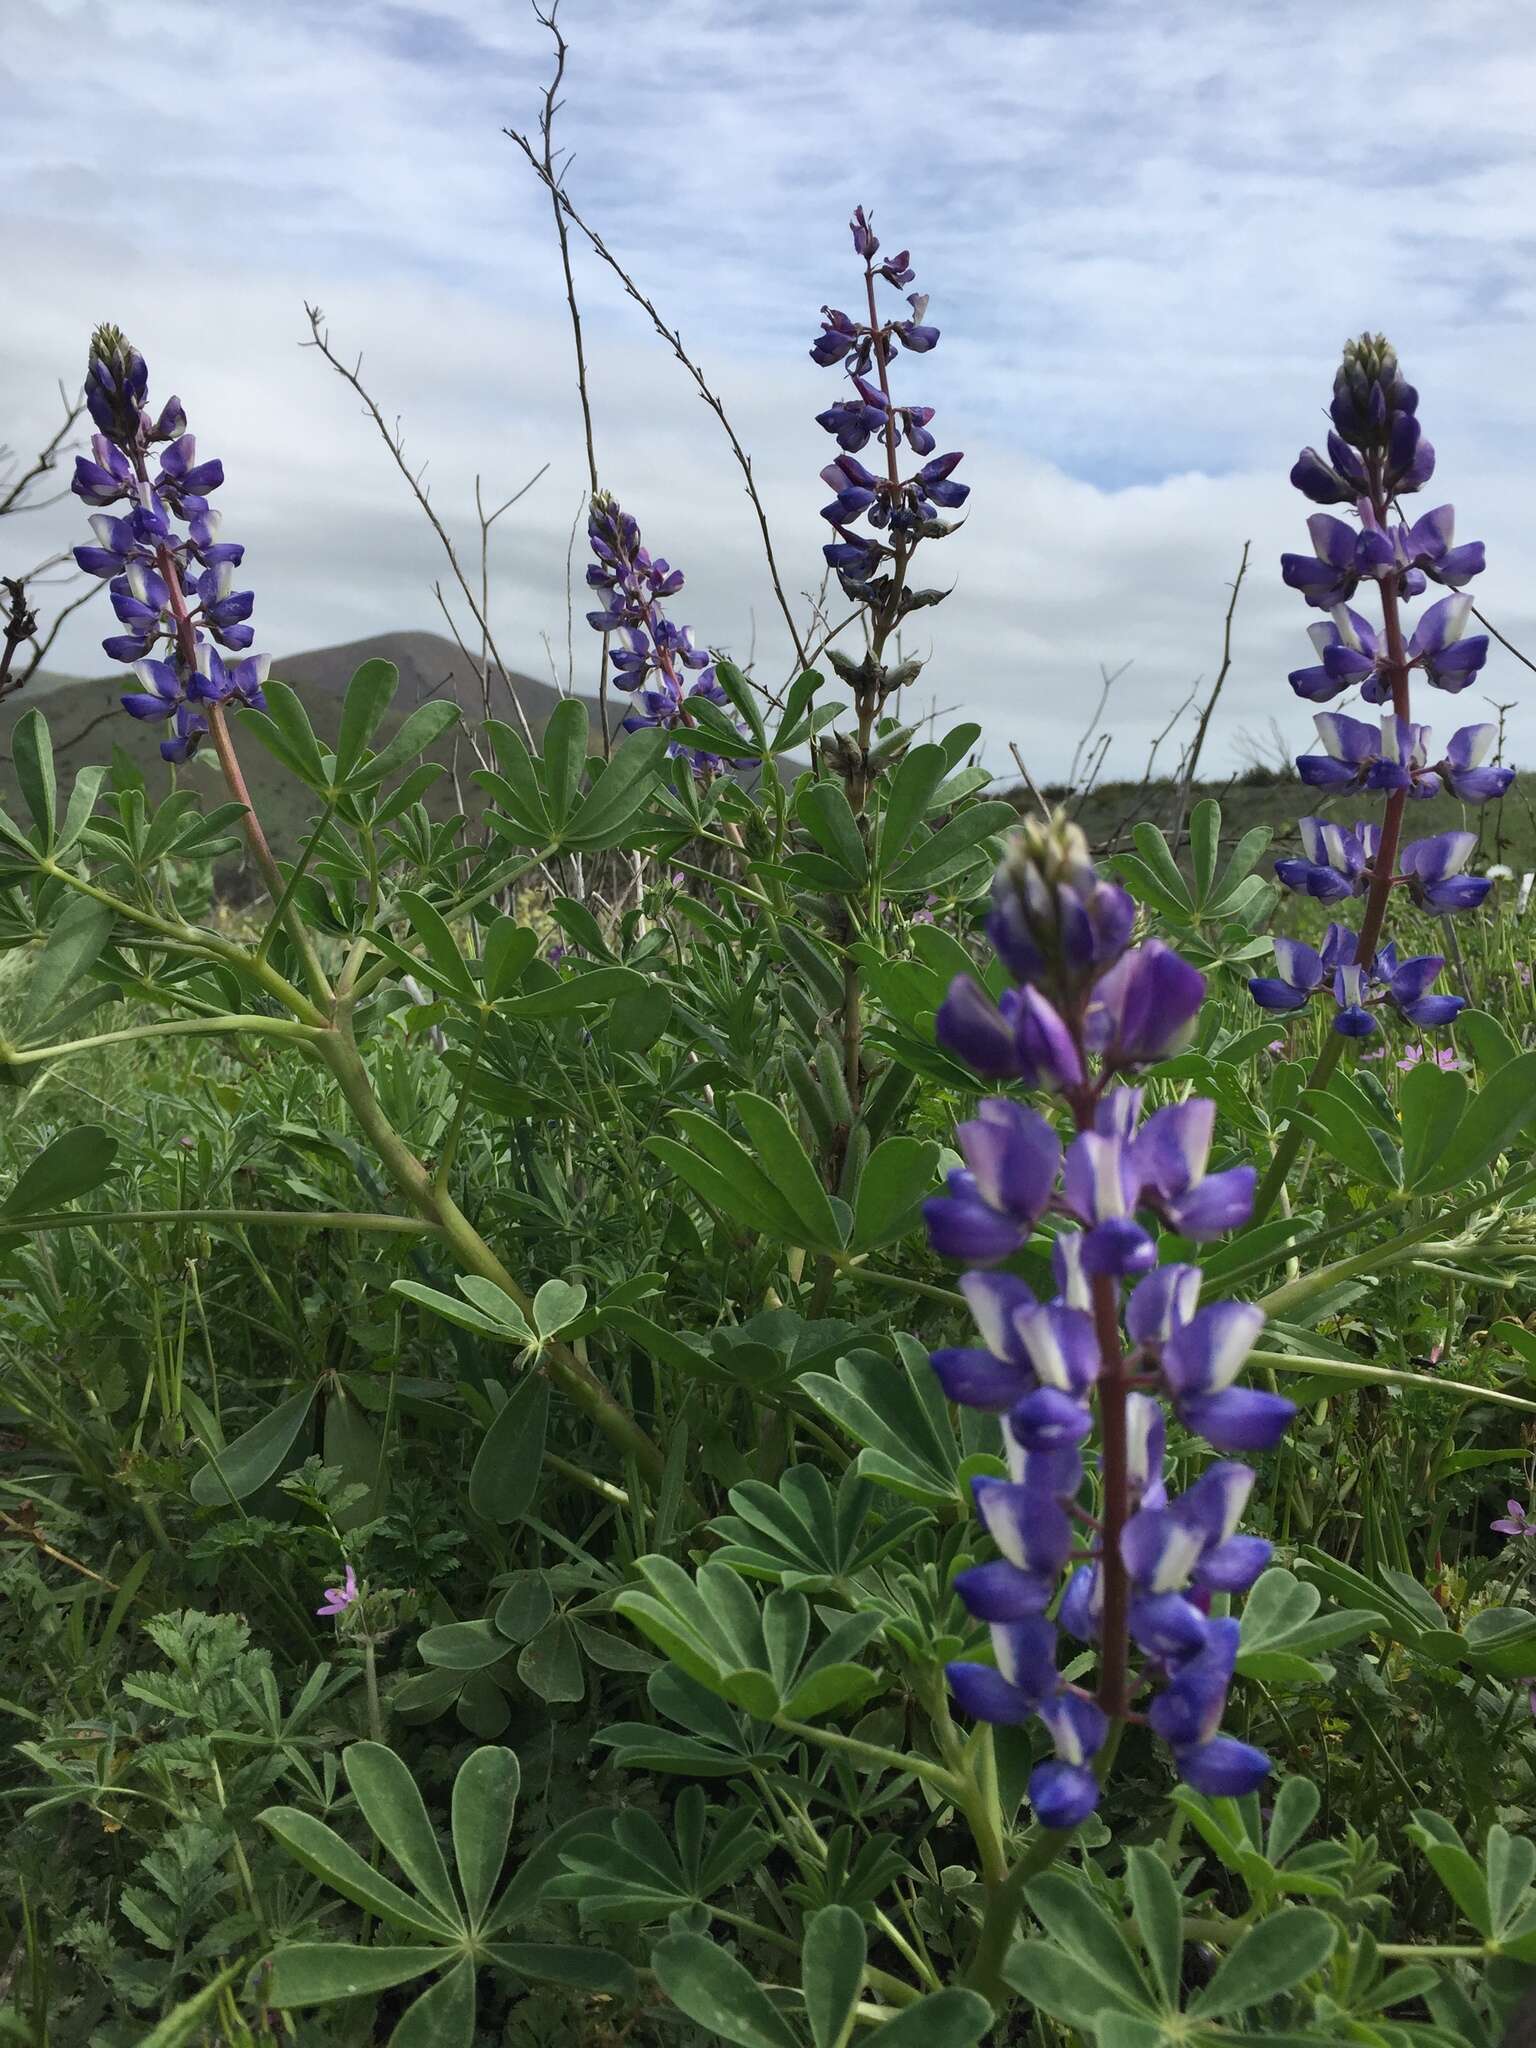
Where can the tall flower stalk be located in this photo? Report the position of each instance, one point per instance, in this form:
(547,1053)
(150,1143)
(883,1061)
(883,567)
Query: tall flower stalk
(176,625)
(1122,1342)
(878,518)
(1376,456)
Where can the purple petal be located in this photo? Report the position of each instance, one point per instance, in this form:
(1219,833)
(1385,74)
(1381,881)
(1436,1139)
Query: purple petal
(1239,1419)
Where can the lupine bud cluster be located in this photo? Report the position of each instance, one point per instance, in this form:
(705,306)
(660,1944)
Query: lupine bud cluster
(164,586)
(1376,455)
(652,657)
(1122,1334)
(872,570)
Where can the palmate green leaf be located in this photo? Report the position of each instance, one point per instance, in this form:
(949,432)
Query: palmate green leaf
(803,1535)
(1282,1629)
(715,1741)
(596,1971)
(898,1413)
(82,801)
(484,1803)
(948,2019)
(443,2017)
(285,731)
(896,1180)
(32,762)
(1345,1136)
(505,952)
(1456,1870)
(908,796)
(318,1972)
(387,1797)
(825,812)
(786,1166)
(427,723)
(462,1646)
(70,1166)
(951,849)
(564,758)
(1487,1040)
(637,1872)
(1155,851)
(488,1310)
(1047,1977)
(1497,1115)
(1204,845)
(504,1479)
(1273,1957)
(619,789)
(580,988)
(369,695)
(713,1990)
(1082,1928)
(832,1973)
(244,1466)
(1158,1910)
(550,1665)
(325,1855)
(1430,1103)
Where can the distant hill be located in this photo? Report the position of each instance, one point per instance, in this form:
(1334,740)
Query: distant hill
(87,721)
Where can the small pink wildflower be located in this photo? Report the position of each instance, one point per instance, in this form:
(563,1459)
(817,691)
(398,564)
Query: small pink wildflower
(1516,1522)
(1445,1059)
(339,1598)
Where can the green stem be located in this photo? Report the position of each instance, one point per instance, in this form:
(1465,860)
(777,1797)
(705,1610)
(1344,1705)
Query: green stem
(297,930)
(1294,1292)
(177,1027)
(953,1787)
(925,1289)
(192,938)
(339,1051)
(1384,1375)
(296,875)
(297,1219)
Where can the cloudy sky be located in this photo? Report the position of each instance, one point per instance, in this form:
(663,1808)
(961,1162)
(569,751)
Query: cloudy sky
(1145,230)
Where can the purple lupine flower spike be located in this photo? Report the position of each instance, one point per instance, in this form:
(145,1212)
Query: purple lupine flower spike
(1089,1010)
(653,657)
(897,511)
(1376,455)
(165,587)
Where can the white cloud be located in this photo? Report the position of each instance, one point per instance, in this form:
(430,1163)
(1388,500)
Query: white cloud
(1145,230)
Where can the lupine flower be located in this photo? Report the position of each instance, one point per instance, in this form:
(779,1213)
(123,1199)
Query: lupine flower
(164,586)
(1516,1521)
(907,508)
(1088,1011)
(339,1598)
(1463,771)
(1334,859)
(1305,971)
(652,657)
(1436,872)
(1377,454)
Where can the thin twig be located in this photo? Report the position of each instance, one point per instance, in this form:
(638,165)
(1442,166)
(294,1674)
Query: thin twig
(1040,803)
(1508,645)
(1193,761)
(42,462)
(394,443)
(674,341)
(551,178)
